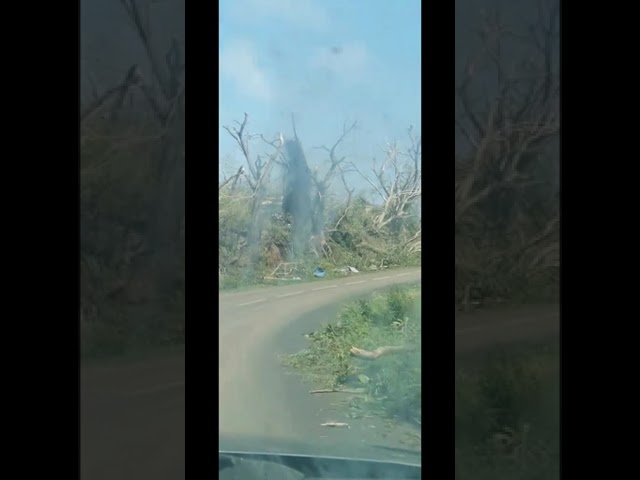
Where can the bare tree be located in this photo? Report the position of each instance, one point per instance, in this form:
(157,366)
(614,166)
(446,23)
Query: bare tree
(322,184)
(397,183)
(347,204)
(256,176)
(143,220)
(232,179)
(259,170)
(168,111)
(391,227)
(508,136)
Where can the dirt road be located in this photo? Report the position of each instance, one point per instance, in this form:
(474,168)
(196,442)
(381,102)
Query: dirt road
(132,416)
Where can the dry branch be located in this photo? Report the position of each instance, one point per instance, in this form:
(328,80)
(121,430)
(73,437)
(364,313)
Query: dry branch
(335,162)
(259,169)
(322,185)
(399,184)
(506,222)
(379,352)
(338,390)
(131,78)
(233,178)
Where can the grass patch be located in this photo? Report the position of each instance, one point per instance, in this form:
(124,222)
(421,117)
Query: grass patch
(507,415)
(261,277)
(390,385)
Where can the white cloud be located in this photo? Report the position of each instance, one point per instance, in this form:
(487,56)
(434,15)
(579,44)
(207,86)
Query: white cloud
(301,13)
(238,63)
(350,63)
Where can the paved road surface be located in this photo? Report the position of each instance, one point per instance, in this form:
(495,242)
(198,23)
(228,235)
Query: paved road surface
(132,420)
(255,397)
(132,416)
(505,325)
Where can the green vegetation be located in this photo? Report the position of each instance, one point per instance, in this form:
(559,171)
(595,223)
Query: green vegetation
(507,414)
(355,243)
(390,384)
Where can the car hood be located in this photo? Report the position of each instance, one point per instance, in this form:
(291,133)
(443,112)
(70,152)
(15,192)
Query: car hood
(293,446)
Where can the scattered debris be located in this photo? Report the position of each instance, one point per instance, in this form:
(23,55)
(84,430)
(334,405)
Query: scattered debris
(383,265)
(336,390)
(348,270)
(286,271)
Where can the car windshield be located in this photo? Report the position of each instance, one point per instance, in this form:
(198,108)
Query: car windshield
(319,237)
(507,239)
(320,227)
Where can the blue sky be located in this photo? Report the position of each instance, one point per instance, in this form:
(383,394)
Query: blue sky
(326,61)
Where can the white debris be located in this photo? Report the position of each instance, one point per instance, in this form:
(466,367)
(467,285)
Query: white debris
(335,424)
(348,270)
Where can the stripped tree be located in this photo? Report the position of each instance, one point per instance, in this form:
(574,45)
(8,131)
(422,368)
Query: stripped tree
(397,187)
(256,176)
(506,217)
(322,183)
(148,241)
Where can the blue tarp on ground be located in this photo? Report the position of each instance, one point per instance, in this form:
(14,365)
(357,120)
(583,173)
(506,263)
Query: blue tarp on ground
(319,272)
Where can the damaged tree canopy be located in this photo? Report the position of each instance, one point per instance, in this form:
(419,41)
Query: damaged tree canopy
(132,204)
(506,209)
(314,223)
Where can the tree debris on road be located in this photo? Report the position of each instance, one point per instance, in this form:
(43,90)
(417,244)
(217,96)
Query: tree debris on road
(378,352)
(335,424)
(338,390)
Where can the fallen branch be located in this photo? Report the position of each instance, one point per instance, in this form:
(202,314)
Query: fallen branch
(132,78)
(338,390)
(233,179)
(378,352)
(335,424)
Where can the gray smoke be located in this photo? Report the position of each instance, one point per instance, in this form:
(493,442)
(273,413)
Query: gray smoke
(296,203)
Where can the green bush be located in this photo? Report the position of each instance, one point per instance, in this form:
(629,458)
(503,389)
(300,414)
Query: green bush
(507,416)
(392,383)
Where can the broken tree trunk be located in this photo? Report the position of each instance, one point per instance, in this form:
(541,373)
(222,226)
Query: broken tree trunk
(379,352)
